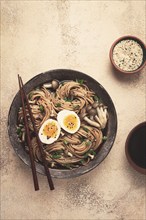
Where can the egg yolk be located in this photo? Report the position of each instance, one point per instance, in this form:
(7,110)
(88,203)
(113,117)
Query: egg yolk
(70,122)
(50,130)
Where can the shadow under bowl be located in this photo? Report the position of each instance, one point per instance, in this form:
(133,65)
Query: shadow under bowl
(143,46)
(135,148)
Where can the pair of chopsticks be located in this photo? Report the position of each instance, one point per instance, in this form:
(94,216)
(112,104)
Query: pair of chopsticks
(24,100)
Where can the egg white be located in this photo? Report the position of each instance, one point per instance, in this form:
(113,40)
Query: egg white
(43,137)
(62,115)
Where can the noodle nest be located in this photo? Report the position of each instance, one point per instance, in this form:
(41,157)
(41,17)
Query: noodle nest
(70,150)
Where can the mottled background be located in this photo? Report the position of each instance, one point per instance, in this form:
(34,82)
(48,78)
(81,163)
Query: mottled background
(37,36)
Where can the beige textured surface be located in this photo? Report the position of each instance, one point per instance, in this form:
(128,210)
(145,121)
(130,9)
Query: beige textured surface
(41,35)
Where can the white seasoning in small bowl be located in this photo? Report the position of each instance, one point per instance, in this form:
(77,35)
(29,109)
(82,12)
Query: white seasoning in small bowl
(128,55)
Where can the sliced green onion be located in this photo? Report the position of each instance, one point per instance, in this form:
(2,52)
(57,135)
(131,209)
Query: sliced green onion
(85,129)
(20,134)
(18,130)
(88,143)
(96,98)
(67,99)
(104,138)
(82,161)
(41,108)
(56,156)
(91,151)
(65,142)
(81,81)
(30,95)
(58,105)
(82,139)
(86,155)
(37,88)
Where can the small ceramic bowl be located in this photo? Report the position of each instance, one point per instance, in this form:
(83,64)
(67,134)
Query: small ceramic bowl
(135,148)
(135,39)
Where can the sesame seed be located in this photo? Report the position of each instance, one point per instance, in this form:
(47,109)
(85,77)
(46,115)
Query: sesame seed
(128,55)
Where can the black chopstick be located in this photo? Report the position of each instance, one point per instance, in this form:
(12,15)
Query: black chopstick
(33,167)
(37,138)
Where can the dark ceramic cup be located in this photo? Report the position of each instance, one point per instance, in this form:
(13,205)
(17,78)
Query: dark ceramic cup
(135,148)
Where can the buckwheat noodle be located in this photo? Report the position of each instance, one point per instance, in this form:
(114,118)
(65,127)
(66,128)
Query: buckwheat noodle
(70,150)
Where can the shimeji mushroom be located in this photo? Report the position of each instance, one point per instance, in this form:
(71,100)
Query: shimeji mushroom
(92,113)
(97,112)
(84,117)
(54,84)
(101,116)
(88,108)
(91,156)
(70,154)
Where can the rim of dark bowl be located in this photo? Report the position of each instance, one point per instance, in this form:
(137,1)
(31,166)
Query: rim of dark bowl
(131,162)
(64,74)
(143,46)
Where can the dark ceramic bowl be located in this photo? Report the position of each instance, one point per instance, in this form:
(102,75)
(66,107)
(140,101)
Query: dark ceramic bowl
(135,148)
(64,74)
(143,46)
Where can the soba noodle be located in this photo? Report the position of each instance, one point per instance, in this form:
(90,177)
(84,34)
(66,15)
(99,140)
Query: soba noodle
(70,150)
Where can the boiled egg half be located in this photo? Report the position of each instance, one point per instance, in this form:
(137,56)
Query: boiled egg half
(69,121)
(49,131)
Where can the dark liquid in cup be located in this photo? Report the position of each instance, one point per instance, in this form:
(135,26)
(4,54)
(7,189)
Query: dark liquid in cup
(137,146)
